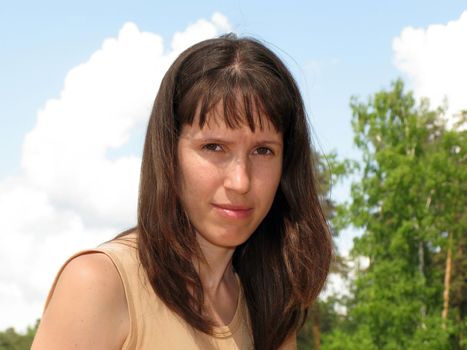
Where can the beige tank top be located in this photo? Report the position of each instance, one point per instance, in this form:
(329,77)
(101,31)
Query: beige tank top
(152,324)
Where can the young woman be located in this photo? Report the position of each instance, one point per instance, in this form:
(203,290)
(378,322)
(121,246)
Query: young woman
(231,245)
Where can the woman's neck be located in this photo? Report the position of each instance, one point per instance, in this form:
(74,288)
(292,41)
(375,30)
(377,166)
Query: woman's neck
(216,270)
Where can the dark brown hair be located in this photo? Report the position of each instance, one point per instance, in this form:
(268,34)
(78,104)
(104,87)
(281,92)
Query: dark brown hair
(285,262)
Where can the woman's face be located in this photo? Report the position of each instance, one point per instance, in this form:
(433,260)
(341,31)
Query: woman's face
(228,179)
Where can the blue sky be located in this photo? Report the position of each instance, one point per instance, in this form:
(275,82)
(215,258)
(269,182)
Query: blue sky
(335,50)
(340,49)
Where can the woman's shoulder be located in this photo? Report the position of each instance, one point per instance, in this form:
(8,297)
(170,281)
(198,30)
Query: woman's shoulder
(93,269)
(86,307)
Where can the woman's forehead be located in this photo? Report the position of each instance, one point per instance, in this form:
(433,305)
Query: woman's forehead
(218,117)
(218,131)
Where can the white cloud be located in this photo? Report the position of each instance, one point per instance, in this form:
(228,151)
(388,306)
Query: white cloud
(71,194)
(435,61)
(199,31)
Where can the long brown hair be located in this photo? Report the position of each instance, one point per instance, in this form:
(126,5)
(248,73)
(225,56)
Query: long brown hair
(285,262)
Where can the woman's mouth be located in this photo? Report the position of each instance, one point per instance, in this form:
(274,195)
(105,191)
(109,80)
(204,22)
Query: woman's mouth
(233,211)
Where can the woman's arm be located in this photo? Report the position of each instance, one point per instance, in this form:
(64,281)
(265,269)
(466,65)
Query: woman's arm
(88,308)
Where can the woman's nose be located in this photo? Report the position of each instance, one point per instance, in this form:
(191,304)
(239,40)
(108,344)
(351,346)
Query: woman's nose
(237,177)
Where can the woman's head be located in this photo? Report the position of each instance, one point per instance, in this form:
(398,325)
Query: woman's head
(240,84)
(251,86)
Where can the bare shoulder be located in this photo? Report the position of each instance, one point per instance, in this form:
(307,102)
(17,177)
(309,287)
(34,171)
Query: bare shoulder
(87,309)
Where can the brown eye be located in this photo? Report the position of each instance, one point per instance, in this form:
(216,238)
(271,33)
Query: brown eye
(264,151)
(212,147)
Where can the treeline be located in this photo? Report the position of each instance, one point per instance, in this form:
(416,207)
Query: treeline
(410,203)
(10,339)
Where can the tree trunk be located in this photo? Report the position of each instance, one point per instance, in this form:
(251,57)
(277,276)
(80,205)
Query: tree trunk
(315,327)
(447,282)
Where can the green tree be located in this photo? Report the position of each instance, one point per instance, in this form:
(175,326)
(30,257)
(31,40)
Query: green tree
(11,340)
(410,204)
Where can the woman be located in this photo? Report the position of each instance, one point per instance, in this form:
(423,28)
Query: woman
(231,245)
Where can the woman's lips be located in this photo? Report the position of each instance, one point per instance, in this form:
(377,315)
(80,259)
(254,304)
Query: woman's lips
(233,211)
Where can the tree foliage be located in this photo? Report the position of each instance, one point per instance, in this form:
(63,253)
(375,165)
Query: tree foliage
(11,340)
(410,203)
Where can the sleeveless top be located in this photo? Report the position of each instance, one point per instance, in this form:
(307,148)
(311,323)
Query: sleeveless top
(152,324)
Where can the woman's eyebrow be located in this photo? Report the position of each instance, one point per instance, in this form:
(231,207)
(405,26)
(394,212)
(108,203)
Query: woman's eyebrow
(273,142)
(231,141)
(225,141)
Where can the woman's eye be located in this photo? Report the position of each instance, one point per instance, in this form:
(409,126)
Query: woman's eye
(213,147)
(264,151)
